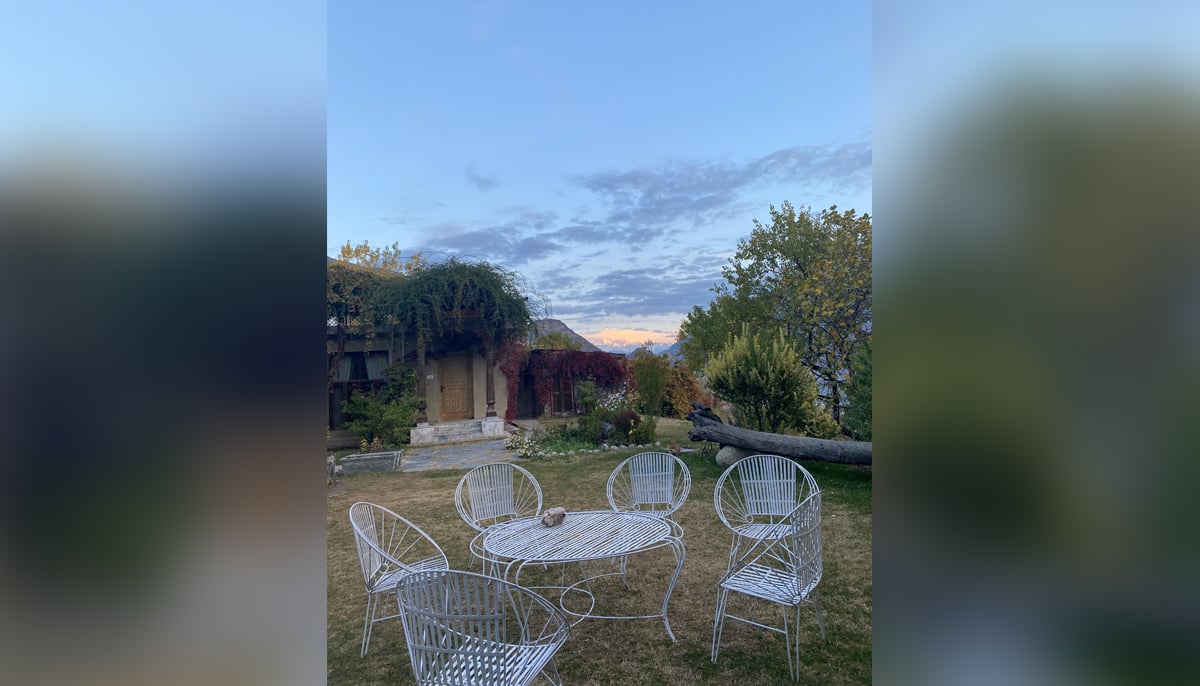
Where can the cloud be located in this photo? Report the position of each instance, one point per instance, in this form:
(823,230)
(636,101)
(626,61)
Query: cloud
(707,190)
(483,183)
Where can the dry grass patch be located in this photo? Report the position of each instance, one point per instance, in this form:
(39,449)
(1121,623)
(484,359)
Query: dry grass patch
(637,651)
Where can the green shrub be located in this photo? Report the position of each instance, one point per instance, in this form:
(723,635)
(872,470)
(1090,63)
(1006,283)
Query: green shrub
(383,418)
(624,421)
(644,431)
(766,381)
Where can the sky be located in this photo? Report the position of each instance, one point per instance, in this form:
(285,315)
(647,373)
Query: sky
(613,154)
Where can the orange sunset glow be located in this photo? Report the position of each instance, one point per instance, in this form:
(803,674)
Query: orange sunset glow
(622,337)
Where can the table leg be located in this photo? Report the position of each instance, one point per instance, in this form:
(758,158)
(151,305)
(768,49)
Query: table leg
(680,552)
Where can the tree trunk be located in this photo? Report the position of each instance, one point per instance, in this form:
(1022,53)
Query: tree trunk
(705,428)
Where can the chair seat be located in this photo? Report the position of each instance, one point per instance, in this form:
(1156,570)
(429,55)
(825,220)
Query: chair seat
(387,582)
(756,531)
(478,661)
(768,583)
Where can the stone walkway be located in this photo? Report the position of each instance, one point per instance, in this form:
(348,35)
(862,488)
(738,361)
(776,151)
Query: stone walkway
(455,455)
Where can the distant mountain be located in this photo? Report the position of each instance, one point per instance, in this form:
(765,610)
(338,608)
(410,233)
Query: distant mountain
(674,352)
(545,326)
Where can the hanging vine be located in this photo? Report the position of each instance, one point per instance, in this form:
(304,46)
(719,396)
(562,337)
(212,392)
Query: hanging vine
(456,296)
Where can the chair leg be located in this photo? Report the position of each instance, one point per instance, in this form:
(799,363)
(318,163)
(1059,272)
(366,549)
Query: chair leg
(817,604)
(366,640)
(794,645)
(719,622)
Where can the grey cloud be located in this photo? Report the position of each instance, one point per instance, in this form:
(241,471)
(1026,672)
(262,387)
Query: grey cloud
(639,292)
(705,191)
(483,183)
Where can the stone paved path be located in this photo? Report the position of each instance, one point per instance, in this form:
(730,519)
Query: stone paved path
(455,455)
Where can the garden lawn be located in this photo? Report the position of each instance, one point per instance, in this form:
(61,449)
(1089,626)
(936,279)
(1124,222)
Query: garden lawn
(635,651)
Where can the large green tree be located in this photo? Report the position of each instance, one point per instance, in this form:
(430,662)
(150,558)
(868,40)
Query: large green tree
(807,274)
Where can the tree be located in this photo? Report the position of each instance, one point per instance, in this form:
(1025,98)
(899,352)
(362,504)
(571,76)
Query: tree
(652,374)
(763,377)
(557,340)
(857,418)
(807,274)
(385,260)
(682,390)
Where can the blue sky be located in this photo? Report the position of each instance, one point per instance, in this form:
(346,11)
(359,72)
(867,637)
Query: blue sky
(612,153)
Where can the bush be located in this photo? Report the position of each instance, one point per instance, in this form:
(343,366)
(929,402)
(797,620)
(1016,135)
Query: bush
(682,390)
(383,418)
(766,381)
(591,429)
(525,444)
(624,421)
(644,432)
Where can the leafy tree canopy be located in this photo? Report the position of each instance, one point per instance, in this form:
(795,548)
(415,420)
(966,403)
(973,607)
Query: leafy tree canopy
(385,260)
(807,274)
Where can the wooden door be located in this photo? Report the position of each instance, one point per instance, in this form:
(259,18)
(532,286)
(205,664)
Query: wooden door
(457,397)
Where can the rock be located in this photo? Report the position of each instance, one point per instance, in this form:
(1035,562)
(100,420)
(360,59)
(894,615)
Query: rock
(554,516)
(729,454)
(337,470)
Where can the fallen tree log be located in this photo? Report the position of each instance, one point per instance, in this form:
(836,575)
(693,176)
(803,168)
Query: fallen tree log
(706,426)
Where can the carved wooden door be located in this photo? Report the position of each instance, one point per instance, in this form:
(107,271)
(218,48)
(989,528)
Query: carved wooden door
(457,398)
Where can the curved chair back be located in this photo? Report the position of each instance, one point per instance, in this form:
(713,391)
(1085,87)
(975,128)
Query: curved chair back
(654,483)
(497,492)
(466,628)
(388,543)
(761,490)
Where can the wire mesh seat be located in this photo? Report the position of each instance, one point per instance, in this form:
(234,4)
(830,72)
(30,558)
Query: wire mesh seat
(389,547)
(782,568)
(651,483)
(464,628)
(493,493)
(756,493)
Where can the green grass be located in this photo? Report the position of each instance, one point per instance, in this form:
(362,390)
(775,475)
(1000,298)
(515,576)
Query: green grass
(638,651)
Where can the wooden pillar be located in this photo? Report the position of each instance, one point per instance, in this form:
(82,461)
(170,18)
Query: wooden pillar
(490,382)
(422,415)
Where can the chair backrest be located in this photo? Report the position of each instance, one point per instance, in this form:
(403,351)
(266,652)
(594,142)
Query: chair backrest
(761,489)
(497,492)
(655,483)
(792,547)
(385,542)
(458,626)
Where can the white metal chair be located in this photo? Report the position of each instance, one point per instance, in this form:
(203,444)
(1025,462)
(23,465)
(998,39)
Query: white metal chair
(783,568)
(389,547)
(494,493)
(464,628)
(757,492)
(652,483)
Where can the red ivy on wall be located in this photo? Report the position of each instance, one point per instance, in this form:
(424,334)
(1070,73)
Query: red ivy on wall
(512,359)
(545,366)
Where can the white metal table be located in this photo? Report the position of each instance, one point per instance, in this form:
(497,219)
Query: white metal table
(584,537)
